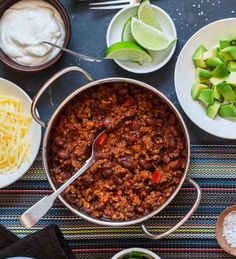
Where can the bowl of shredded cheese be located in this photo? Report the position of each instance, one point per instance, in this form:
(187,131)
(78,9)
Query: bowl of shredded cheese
(20,136)
(226,230)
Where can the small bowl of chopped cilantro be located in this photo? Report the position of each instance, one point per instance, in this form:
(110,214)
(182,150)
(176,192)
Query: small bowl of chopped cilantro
(136,253)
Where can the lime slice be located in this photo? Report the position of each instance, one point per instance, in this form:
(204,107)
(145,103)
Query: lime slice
(149,37)
(148,14)
(126,32)
(127,50)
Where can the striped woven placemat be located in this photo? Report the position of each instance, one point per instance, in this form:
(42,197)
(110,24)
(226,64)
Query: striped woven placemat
(213,167)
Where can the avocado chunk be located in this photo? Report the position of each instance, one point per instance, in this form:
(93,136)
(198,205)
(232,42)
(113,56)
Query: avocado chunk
(197,57)
(232,79)
(217,95)
(227,110)
(206,96)
(232,66)
(221,56)
(196,89)
(218,80)
(229,53)
(212,110)
(202,75)
(226,91)
(224,43)
(213,62)
(220,71)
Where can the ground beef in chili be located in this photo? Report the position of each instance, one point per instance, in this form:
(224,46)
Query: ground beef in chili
(142,159)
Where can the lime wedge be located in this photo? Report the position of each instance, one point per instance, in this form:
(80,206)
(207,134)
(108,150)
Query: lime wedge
(148,14)
(149,37)
(126,32)
(127,50)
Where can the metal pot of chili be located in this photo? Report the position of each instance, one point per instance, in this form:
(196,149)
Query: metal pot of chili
(84,198)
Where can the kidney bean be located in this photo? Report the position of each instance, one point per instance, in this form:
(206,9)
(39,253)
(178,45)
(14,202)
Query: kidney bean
(123,91)
(130,208)
(118,181)
(107,172)
(88,180)
(100,207)
(174,131)
(154,122)
(132,139)
(148,189)
(127,162)
(139,210)
(144,163)
(171,142)
(165,158)
(63,154)
(66,175)
(59,141)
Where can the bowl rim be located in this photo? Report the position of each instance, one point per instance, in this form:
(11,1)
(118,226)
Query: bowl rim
(139,249)
(5,59)
(49,129)
(152,68)
(177,89)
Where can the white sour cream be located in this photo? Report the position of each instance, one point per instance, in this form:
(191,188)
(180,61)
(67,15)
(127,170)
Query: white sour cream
(25,25)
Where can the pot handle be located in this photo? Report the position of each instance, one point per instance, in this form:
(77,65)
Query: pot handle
(183,220)
(48,83)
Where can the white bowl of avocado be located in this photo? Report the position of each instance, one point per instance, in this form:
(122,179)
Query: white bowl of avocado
(205,78)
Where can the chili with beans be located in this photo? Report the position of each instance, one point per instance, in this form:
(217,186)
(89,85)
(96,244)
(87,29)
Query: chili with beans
(142,159)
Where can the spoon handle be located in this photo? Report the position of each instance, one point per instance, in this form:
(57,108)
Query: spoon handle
(73,52)
(29,218)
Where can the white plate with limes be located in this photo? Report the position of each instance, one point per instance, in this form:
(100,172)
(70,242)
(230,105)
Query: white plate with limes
(10,91)
(146,38)
(208,36)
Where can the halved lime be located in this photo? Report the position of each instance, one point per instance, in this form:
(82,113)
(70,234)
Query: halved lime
(126,32)
(148,14)
(127,50)
(149,37)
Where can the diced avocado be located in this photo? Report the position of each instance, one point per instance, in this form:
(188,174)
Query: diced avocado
(197,57)
(229,53)
(202,75)
(224,43)
(218,80)
(232,66)
(212,109)
(213,62)
(227,110)
(208,54)
(217,95)
(221,57)
(206,96)
(220,71)
(196,89)
(226,91)
(232,79)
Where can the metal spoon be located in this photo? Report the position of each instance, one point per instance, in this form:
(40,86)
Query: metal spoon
(82,56)
(39,209)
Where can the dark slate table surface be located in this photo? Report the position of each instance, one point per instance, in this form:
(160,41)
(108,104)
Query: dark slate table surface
(89,37)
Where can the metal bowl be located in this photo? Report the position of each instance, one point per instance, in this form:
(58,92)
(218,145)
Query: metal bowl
(47,141)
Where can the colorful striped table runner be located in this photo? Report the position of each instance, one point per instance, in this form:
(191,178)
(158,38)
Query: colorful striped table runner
(213,167)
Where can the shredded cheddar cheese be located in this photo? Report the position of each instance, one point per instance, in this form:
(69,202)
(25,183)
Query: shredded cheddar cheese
(14,137)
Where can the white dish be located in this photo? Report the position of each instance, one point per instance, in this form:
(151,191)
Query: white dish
(160,58)
(126,251)
(185,77)
(9,88)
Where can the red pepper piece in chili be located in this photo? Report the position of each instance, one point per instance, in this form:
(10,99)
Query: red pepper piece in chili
(102,139)
(156,176)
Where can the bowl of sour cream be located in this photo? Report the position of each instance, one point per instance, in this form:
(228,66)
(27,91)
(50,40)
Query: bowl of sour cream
(24,25)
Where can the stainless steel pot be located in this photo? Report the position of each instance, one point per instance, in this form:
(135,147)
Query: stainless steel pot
(46,145)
